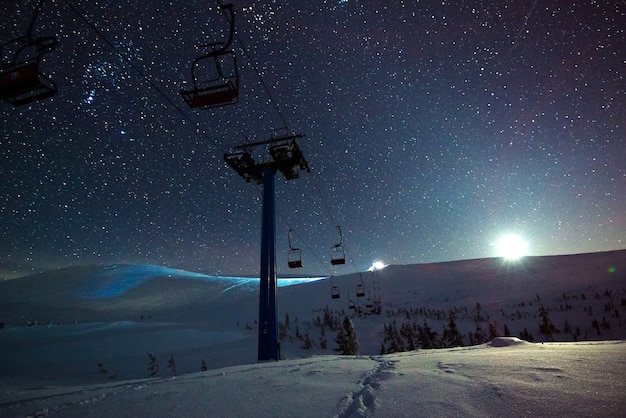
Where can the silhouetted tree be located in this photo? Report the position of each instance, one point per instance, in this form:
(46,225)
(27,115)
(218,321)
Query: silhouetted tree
(323,343)
(451,336)
(546,326)
(346,338)
(526,336)
(427,337)
(307,344)
(171,364)
(153,365)
(493,330)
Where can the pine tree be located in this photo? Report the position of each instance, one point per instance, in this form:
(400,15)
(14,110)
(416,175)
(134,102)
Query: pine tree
(546,326)
(526,336)
(493,330)
(171,364)
(427,337)
(407,332)
(323,343)
(347,339)
(102,368)
(298,335)
(479,336)
(328,319)
(307,343)
(153,365)
(283,332)
(287,325)
(451,336)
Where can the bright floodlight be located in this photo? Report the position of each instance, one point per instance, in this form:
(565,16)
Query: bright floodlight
(512,247)
(377,265)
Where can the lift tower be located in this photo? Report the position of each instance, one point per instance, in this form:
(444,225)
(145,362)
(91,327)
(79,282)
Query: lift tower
(287,158)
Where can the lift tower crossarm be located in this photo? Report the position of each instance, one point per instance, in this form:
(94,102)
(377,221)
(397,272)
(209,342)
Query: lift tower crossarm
(268,141)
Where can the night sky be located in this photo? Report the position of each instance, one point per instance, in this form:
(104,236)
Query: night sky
(432,128)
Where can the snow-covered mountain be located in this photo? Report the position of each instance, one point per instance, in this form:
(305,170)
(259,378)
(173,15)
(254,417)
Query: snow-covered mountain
(97,325)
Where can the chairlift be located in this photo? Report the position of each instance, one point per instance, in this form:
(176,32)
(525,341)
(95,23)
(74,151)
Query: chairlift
(337,253)
(360,289)
(351,304)
(294,256)
(377,306)
(368,303)
(21,81)
(222,88)
(334,290)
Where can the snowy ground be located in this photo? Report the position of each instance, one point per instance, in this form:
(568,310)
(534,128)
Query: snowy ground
(75,342)
(506,377)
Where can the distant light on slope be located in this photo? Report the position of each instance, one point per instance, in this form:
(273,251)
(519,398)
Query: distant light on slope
(377,265)
(512,247)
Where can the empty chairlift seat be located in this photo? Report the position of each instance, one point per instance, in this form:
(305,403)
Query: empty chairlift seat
(21,81)
(214,75)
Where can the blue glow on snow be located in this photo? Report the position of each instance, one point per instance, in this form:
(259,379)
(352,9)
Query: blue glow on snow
(115,280)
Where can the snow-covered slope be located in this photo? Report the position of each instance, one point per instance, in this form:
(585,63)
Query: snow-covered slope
(96,325)
(504,378)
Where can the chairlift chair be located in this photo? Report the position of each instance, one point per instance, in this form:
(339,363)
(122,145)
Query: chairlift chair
(334,289)
(294,256)
(360,289)
(337,256)
(337,253)
(223,88)
(351,304)
(21,81)
(377,306)
(220,90)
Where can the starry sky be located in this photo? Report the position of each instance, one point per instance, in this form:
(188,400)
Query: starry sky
(432,128)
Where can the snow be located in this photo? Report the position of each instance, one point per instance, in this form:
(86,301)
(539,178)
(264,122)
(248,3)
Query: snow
(67,353)
(582,379)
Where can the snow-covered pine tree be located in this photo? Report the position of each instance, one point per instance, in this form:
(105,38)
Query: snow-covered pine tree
(346,338)
(171,364)
(307,344)
(427,337)
(153,365)
(451,336)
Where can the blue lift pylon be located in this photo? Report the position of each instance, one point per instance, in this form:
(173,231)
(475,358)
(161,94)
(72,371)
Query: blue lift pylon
(289,160)
(268,326)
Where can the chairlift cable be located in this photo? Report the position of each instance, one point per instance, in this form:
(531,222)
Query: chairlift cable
(165,97)
(258,73)
(329,213)
(34,18)
(128,61)
(284,122)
